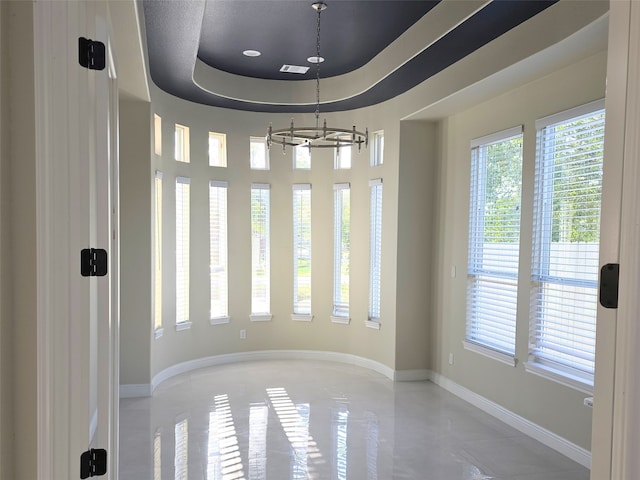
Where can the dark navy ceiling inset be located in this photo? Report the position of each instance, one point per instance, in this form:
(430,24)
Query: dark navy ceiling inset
(352,33)
(179,32)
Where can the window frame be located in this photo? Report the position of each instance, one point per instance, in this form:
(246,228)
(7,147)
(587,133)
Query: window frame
(295,151)
(157,134)
(489,273)
(568,373)
(258,242)
(341,249)
(337,156)
(375,253)
(183,219)
(157,256)
(219,253)
(222,149)
(181,144)
(377,148)
(267,160)
(301,225)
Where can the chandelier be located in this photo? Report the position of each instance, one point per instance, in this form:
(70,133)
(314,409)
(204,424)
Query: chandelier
(320,136)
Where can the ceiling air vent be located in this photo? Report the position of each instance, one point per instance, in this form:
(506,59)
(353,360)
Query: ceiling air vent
(293,69)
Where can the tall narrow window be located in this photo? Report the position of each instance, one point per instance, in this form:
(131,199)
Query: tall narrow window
(568,186)
(181,139)
(218,251)
(157,134)
(302,249)
(259,154)
(217,149)
(341,249)
(342,158)
(375,251)
(301,158)
(157,255)
(182,251)
(494,244)
(377,150)
(260,252)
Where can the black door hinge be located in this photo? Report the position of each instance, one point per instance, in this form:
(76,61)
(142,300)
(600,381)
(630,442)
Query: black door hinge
(609,278)
(93,262)
(93,463)
(91,54)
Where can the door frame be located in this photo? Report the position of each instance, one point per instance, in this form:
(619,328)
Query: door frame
(61,139)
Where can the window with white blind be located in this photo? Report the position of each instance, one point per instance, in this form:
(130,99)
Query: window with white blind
(183,186)
(181,139)
(260,252)
(377,149)
(342,159)
(218,252)
(301,249)
(568,185)
(301,157)
(157,255)
(157,134)
(375,251)
(341,249)
(258,153)
(217,149)
(494,244)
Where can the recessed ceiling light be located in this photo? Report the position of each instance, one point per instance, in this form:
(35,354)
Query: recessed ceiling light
(251,53)
(315,59)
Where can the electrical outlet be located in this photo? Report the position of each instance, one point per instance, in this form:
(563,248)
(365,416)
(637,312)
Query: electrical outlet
(243,334)
(451,358)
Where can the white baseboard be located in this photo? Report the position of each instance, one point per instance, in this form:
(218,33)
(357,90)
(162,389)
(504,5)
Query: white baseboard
(544,436)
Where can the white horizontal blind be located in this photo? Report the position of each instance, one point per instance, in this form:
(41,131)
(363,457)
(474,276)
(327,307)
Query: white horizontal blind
(375,247)
(258,153)
(568,185)
(218,249)
(182,249)
(157,253)
(341,248)
(260,249)
(301,157)
(494,240)
(302,248)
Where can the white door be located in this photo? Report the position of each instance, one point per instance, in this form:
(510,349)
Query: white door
(76,163)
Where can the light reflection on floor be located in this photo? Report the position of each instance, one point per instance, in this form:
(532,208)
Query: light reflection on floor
(286,420)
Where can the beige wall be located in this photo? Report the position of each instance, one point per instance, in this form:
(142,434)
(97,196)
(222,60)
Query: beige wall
(281,333)
(135,242)
(546,403)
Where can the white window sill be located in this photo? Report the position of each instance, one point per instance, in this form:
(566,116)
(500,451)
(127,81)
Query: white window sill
(301,317)
(487,352)
(219,320)
(158,333)
(375,324)
(558,376)
(340,320)
(183,326)
(260,317)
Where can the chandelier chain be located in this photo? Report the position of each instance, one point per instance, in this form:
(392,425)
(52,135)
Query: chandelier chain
(318,68)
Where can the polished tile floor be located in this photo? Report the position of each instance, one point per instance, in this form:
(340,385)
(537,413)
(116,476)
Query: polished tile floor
(282,420)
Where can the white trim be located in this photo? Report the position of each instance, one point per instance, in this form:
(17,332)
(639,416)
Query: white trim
(497,136)
(301,186)
(220,320)
(559,376)
(260,317)
(183,326)
(261,186)
(93,425)
(487,352)
(340,320)
(158,333)
(375,181)
(341,186)
(372,324)
(571,113)
(535,431)
(185,180)
(136,390)
(301,317)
